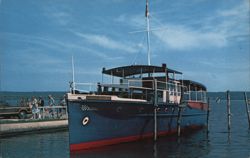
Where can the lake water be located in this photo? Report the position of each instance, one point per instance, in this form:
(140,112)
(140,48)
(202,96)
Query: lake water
(218,143)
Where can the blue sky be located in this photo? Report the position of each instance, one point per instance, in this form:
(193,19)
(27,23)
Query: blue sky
(207,40)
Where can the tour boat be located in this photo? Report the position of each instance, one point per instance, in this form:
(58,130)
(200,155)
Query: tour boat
(140,101)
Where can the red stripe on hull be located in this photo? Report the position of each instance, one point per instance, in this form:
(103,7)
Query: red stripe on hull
(99,143)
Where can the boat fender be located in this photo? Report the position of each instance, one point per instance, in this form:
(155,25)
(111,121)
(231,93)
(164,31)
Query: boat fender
(85,121)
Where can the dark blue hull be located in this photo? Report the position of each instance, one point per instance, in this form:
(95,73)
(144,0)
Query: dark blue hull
(98,123)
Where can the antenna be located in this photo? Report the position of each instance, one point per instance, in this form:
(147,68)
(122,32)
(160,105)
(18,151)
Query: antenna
(148,29)
(148,32)
(73,74)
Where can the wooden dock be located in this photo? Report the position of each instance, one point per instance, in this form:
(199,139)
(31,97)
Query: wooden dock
(12,127)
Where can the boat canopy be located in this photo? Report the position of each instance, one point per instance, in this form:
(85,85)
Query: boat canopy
(125,71)
(194,85)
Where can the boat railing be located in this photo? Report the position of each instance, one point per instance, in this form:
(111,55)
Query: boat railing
(176,90)
(41,112)
(83,87)
(172,88)
(23,101)
(196,96)
(141,84)
(53,112)
(145,88)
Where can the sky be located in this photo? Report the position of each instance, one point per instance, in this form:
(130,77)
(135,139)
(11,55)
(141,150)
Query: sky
(207,40)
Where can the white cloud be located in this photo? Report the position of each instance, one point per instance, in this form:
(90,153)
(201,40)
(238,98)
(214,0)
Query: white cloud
(62,18)
(179,37)
(182,38)
(45,42)
(59,14)
(235,21)
(240,10)
(106,42)
(213,31)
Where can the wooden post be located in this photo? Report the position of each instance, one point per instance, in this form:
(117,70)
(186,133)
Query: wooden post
(208,112)
(247,109)
(228,110)
(155,123)
(43,112)
(66,111)
(155,150)
(179,122)
(155,109)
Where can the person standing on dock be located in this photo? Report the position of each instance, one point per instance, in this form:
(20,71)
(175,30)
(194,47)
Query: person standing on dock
(41,105)
(51,104)
(40,102)
(35,110)
(63,104)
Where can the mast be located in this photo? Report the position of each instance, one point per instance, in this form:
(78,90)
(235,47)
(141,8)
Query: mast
(148,29)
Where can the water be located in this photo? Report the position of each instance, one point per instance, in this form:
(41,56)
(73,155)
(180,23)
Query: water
(36,145)
(218,143)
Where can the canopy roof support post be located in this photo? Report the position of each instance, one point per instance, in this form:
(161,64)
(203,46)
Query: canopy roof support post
(166,78)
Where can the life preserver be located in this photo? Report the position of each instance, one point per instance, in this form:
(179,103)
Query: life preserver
(85,120)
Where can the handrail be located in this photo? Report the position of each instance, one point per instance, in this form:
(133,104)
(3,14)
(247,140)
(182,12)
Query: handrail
(173,89)
(43,110)
(131,86)
(40,112)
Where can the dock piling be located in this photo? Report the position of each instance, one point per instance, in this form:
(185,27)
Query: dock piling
(155,124)
(228,110)
(155,109)
(208,112)
(247,108)
(179,122)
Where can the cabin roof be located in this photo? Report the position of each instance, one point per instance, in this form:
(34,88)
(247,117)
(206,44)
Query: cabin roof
(194,84)
(125,71)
